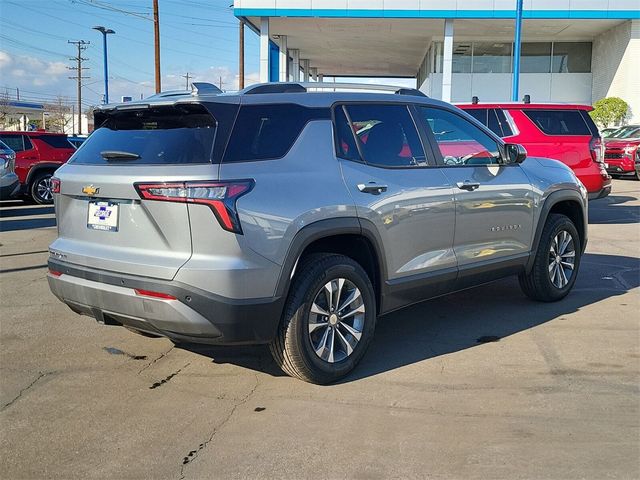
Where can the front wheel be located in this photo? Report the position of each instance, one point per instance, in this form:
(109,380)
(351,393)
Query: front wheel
(41,188)
(328,320)
(556,263)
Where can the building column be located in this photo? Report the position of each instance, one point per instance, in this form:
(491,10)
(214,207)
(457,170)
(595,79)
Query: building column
(305,68)
(320,77)
(313,71)
(447,60)
(284,59)
(295,64)
(264,49)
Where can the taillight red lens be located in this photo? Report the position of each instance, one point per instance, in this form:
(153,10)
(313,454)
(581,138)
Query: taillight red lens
(597,149)
(150,293)
(55,273)
(220,197)
(55,185)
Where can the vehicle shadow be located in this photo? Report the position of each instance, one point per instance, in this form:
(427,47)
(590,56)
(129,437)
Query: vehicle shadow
(612,209)
(18,215)
(459,321)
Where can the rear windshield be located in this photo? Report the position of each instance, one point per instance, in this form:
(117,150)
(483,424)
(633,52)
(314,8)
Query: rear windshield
(55,141)
(559,122)
(179,134)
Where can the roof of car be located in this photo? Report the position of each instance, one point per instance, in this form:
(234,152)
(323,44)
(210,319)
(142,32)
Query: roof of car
(522,105)
(305,94)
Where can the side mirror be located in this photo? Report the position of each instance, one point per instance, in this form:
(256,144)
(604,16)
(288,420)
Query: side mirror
(515,153)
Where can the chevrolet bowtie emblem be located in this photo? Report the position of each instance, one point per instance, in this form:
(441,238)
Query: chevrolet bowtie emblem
(90,190)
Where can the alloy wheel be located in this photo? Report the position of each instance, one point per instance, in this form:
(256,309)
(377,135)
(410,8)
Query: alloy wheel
(562,256)
(44,189)
(336,320)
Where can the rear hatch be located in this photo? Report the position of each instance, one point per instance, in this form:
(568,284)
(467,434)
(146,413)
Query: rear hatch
(103,222)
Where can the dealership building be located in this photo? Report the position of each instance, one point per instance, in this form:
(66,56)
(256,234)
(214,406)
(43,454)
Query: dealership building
(572,50)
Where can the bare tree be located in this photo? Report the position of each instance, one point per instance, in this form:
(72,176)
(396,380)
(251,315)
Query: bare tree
(59,115)
(5,110)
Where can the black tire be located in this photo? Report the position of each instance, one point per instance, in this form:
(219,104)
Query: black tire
(292,348)
(39,188)
(538,284)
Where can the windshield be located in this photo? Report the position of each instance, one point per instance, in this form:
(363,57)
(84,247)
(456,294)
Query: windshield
(626,132)
(160,135)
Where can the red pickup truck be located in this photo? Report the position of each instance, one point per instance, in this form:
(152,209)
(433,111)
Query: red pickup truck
(38,155)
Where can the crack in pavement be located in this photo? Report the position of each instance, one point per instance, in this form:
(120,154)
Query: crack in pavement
(166,379)
(7,405)
(164,354)
(193,454)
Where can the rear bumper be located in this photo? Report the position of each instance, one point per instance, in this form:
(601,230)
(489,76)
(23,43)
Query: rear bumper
(194,315)
(601,194)
(9,185)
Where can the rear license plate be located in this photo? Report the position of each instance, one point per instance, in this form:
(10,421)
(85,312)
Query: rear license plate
(103,216)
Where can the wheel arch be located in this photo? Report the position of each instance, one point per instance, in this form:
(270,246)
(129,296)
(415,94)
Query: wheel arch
(350,236)
(39,168)
(565,202)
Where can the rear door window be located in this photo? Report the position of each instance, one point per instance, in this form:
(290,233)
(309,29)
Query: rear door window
(56,141)
(177,134)
(264,132)
(558,122)
(479,114)
(386,135)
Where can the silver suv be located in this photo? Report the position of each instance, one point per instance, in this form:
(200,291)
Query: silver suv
(292,216)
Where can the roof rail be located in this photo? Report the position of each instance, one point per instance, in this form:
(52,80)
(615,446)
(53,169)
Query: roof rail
(301,87)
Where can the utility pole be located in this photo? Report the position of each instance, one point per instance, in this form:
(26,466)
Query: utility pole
(187,76)
(82,46)
(156,36)
(241,59)
(221,82)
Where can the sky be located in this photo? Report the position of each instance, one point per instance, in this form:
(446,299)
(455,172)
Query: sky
(199,37)
(196,36)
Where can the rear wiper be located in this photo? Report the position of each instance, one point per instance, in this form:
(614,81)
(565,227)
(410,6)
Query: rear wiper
(119,155)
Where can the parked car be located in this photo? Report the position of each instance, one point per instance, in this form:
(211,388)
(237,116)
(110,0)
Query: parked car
(293,218)
(9,183)
(75,140)
(622,151)
(605,132)
(562,132)
(38,155)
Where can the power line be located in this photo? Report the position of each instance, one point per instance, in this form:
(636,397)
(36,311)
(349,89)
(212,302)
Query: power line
(82,46)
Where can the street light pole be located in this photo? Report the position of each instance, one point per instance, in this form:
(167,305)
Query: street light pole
(515,86)
(105,32)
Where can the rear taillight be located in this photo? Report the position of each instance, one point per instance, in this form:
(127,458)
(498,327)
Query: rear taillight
(54,273)
(597,149)
(220,197)
(55,185)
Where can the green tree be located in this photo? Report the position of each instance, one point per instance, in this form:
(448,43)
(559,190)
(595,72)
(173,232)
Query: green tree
(609,111)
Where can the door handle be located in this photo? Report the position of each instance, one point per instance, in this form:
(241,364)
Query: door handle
(467,185)
(372,187)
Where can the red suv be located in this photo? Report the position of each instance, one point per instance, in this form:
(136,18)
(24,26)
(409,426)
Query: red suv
(38,155)
(562,132)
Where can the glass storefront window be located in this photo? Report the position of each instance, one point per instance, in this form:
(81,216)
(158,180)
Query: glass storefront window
(571,57)
(490,57)
(462,57)
(535,57)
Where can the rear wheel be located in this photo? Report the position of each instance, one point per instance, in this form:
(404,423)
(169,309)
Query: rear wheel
(41,188)
(556,263)
(328,320)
